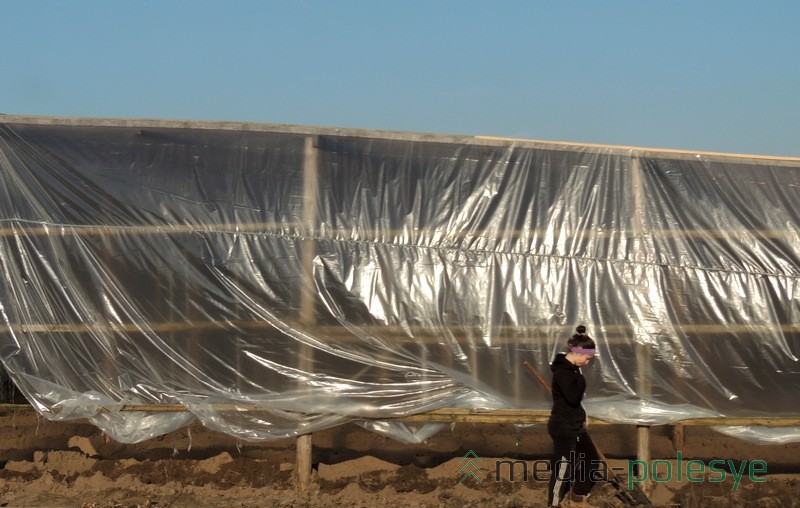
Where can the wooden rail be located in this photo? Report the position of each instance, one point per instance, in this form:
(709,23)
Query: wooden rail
(301,230)
(417,137)
(420,332)
(462,415)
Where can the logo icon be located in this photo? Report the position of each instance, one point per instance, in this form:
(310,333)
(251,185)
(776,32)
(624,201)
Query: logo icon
(470,467)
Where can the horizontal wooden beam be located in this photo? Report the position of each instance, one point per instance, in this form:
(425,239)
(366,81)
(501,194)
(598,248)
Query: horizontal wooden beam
(300,230)
(450,415)
(421,137)
(462,415)
(620,333)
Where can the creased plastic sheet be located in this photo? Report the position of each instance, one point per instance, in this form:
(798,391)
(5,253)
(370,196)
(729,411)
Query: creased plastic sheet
(411,433)
(275,281)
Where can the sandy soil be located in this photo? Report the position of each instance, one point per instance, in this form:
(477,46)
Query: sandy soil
(73,464)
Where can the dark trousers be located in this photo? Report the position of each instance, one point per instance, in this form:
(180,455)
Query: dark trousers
(575,465)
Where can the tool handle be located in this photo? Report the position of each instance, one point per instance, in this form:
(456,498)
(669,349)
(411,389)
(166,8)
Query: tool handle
(539,377)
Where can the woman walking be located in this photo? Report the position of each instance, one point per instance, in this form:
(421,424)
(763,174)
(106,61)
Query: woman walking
(575,458)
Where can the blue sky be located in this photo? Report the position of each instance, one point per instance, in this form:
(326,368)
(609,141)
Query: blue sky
(717,76)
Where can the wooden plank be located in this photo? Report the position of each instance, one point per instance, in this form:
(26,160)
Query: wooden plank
(620,334)
(489,141)
(667,153)
(300,231)
(467,416)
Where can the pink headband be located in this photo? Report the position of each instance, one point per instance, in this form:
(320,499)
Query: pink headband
(582,351)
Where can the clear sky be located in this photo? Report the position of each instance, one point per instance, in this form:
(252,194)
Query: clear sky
(704,75)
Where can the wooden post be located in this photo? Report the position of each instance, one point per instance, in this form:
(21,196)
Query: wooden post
(308,249)
(303,462)
(678,438)
(643,454)
(644,358)
(309,225)
(106,258)
(473,362)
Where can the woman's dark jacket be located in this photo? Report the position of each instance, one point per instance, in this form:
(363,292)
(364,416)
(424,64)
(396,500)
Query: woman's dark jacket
(568,417)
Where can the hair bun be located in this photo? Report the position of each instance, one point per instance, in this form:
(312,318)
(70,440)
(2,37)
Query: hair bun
(581,330)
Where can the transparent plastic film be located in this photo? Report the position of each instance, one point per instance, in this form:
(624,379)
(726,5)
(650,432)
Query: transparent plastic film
(271,282)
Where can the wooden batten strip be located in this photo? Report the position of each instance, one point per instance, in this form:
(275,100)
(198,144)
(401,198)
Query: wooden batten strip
(449,415)
(609,334)
(387,135)
(301,231)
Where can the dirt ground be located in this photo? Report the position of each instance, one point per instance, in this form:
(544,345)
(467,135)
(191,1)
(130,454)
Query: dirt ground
(73,464)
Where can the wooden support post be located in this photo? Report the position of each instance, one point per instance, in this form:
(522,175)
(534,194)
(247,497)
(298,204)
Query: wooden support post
(643,454)
(518,379)
(308,250)
(644,360)
(678,438)
(193,335)
(473,361)
(108,361)
(303,462)
(170,275)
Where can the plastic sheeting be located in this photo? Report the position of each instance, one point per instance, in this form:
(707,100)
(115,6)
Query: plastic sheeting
(277,281)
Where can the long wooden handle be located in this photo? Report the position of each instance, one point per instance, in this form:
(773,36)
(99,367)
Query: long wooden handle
(539,377)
